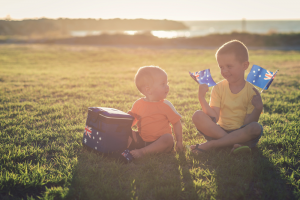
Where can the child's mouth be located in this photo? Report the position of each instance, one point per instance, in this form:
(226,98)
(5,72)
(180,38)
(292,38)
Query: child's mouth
(226,76)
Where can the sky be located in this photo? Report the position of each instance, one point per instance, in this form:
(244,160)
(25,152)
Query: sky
(183,10)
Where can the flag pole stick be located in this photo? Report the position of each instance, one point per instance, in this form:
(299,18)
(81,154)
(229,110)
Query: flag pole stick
(269,81)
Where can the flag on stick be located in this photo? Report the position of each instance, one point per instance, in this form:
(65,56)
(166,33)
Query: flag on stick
(203,77)
(261,77)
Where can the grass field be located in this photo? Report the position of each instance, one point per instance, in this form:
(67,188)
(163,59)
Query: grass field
(45,92)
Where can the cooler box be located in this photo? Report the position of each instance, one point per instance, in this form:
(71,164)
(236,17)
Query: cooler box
(107,129)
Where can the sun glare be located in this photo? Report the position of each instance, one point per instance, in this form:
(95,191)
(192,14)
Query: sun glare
(170,34)
(130,32)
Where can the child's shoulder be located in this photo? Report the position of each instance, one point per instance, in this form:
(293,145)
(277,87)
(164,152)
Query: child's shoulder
(249,87)
(138,102)
(170,105)
(221,85)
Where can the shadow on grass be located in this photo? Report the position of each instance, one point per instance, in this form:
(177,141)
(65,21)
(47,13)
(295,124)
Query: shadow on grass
(164,176)
(216,175)
(246,176)
(99,177)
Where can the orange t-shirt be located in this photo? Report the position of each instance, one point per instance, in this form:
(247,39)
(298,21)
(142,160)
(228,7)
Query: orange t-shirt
(153,118)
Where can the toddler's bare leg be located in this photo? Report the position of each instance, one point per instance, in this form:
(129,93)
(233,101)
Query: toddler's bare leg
(204,124)
(162,144)
(239,136)
(130,139)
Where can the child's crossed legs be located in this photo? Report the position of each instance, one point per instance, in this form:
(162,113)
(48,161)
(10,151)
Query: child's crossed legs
(205,124)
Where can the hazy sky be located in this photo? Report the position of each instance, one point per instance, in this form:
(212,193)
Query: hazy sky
(152,9)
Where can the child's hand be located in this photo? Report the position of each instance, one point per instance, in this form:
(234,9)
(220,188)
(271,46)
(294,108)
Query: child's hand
(179,146)
(257,101)
(203,88)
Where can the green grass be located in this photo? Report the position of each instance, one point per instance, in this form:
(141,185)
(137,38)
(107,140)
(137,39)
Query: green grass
(45,92)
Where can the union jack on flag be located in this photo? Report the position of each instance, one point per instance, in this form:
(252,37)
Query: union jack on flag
(203,77)
(88,131)
(127,155)
(260,77)
(268,75)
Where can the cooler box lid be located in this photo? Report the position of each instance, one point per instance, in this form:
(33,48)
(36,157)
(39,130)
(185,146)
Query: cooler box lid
(111,113)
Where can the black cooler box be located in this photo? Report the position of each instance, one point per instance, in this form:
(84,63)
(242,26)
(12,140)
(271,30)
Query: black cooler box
(107,129)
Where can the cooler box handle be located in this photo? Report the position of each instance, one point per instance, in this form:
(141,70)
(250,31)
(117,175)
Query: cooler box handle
(94,115)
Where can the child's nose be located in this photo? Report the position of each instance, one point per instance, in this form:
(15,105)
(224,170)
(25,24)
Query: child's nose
(224,70)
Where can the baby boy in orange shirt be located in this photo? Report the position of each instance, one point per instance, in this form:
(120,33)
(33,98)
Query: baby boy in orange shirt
(153,115)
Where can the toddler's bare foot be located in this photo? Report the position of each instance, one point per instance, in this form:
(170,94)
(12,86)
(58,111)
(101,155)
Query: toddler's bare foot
(137,153)
(234,147)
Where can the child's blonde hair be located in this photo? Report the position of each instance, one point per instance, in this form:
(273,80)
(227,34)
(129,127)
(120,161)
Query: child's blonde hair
(145,76)
(237,48)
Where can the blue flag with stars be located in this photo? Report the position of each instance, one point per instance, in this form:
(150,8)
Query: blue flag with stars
(203,77)
(260,77)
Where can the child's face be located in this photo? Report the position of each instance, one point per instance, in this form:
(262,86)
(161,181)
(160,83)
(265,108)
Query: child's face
(231,69)
(160,88)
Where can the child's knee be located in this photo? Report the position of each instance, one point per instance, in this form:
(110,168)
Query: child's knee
(169,142)
(168,139)
(254,129)
(198,115)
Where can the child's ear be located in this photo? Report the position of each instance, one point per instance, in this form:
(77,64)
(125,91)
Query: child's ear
(246,65)
(147,90)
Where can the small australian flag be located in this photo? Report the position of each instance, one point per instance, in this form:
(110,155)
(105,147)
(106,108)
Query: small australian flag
(260,77)
(203,77)
(127,155)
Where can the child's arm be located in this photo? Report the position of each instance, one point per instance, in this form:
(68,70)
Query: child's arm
(258,107)
(210,111)
(178,134)
(136,117)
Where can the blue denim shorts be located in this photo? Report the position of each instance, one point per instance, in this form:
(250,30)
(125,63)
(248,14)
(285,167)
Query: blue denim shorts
(252,143)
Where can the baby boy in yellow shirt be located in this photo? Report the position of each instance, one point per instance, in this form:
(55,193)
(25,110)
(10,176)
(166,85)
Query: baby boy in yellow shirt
(235,105)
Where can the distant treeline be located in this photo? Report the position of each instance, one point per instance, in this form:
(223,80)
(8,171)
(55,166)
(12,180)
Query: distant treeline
(64,25)
(214,40)
(260,40)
